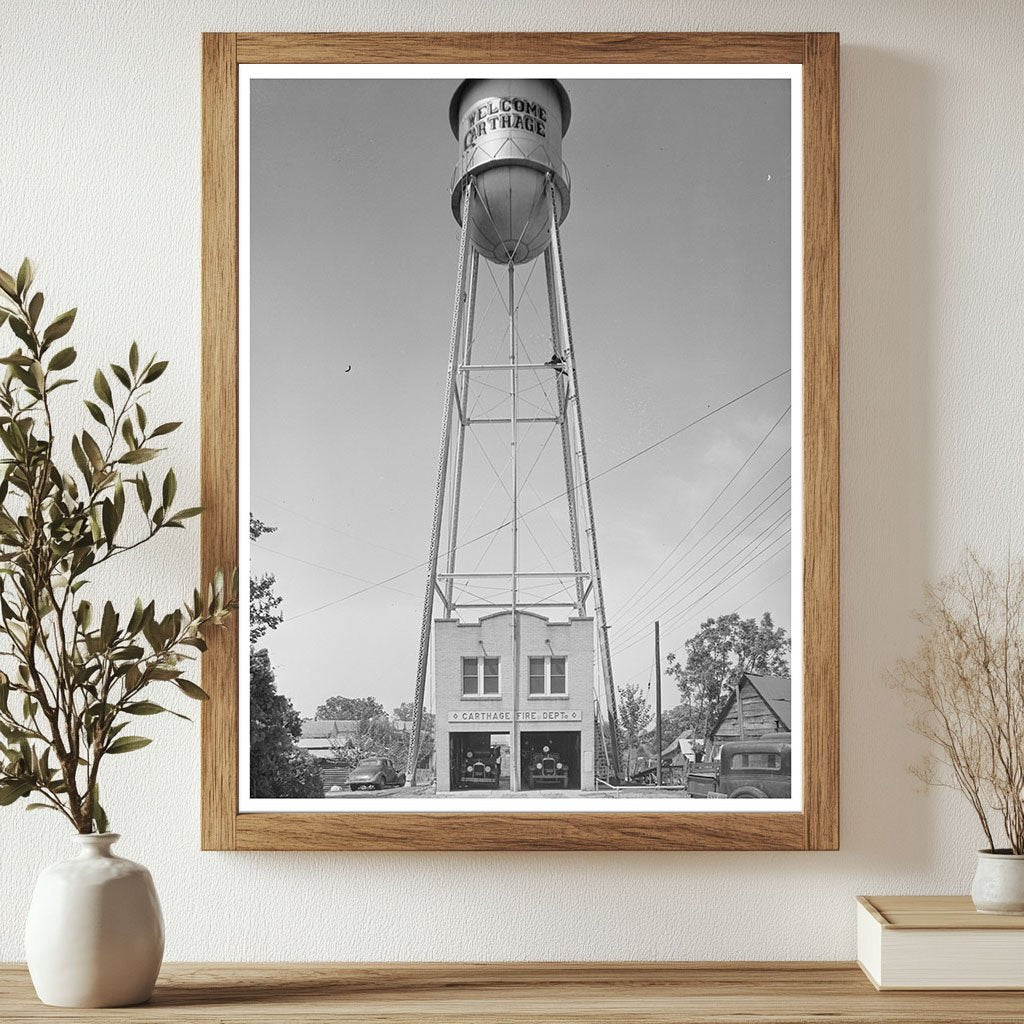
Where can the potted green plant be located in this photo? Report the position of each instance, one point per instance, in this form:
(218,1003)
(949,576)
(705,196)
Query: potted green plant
(81,670)
(966,682)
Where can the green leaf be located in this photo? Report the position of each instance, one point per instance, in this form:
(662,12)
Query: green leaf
(170,488)
(119,499)
(99,816)
(20,329)
(108,625)
(145,497)
(95,412)
(63,359)
(92,449)
(139,455)
(26,274)
(130,653)
(109,521)
(8,284)
(165,428)
(12,791)
(191,690)
(137,617)
(143,707)
(140,415)
(34,308)
(133,358)
(16,359)
(80,458)
(147,707)
(121,374)
(126,744)
(60,326)
(102,388)
(154,371)
(128,433)
(185,513)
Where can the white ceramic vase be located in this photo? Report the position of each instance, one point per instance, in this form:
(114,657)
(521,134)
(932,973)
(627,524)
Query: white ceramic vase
(95,934)
(999,883)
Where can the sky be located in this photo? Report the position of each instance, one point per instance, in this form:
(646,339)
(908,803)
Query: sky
(677,263)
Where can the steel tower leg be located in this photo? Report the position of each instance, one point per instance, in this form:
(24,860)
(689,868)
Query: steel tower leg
(588,504)
(567,453)
(466,353)
(515,761)
(442,476)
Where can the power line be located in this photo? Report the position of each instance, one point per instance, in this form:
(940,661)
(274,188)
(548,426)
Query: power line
(645,611)
(778,579)
(629,600)
(604,472)
(336,572)
(328,526)
(747,576)
(693,604)
(771,526)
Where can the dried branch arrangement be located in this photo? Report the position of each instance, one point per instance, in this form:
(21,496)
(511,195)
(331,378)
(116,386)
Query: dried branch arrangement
(967,684)
(78,669)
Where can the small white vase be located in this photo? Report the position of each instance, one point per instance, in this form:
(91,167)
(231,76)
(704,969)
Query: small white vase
(95,934)
(999,883)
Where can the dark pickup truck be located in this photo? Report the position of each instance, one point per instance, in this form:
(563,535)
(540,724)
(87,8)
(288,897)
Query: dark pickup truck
(758,769)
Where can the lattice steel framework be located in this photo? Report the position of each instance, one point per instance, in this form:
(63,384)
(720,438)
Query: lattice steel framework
(582,583)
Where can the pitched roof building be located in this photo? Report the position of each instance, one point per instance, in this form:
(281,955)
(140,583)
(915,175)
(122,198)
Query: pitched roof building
(764,708)
(323,737)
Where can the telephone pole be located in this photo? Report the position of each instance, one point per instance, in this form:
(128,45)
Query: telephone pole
(657,695)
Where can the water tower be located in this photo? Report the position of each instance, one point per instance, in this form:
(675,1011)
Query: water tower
(513,671)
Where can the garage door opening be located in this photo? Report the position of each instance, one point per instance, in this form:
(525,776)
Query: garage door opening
(479,760)
(550,760)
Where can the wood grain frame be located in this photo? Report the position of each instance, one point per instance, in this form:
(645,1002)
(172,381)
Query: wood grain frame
(817,826)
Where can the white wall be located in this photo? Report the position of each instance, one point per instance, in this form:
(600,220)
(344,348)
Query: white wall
(99,181)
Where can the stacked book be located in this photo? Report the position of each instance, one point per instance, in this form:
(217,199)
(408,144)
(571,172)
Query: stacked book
(938,942)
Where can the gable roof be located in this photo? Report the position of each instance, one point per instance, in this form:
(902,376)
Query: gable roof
(681,746)
(325,728)
(775,691)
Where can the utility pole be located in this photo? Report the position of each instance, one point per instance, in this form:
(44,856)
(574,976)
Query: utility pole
(657,695)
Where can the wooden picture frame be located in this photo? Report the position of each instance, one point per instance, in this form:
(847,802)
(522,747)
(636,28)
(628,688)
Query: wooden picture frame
(817,826)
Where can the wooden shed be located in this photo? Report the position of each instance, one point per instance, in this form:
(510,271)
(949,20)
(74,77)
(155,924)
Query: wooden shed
(764,708)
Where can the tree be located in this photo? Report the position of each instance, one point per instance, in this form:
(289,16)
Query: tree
(377,737)
(72,501)
(634,717)
(674,722)
(405,711)
(717,657)
(277,767)
(353,709)
(263,602)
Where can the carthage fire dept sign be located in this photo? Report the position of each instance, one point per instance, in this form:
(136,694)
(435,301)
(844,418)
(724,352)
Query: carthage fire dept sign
(543,715)
(504,113)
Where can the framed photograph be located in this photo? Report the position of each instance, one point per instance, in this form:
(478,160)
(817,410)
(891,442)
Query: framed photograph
(520,418)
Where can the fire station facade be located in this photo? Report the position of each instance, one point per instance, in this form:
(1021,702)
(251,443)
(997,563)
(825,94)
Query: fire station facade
(500,725)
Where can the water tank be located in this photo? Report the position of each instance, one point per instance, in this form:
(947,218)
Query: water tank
(510,138)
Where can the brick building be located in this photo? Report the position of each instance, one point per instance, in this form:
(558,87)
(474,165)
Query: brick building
(529,727)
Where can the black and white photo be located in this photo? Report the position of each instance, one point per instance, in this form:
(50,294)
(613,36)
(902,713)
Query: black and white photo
(520,388)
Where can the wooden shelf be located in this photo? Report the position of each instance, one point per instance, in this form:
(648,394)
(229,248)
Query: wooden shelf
(617,993)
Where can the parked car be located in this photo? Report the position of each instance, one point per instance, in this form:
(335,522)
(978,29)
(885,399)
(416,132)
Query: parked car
(747,770)
(549,770)
(483,769)
(375,773)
